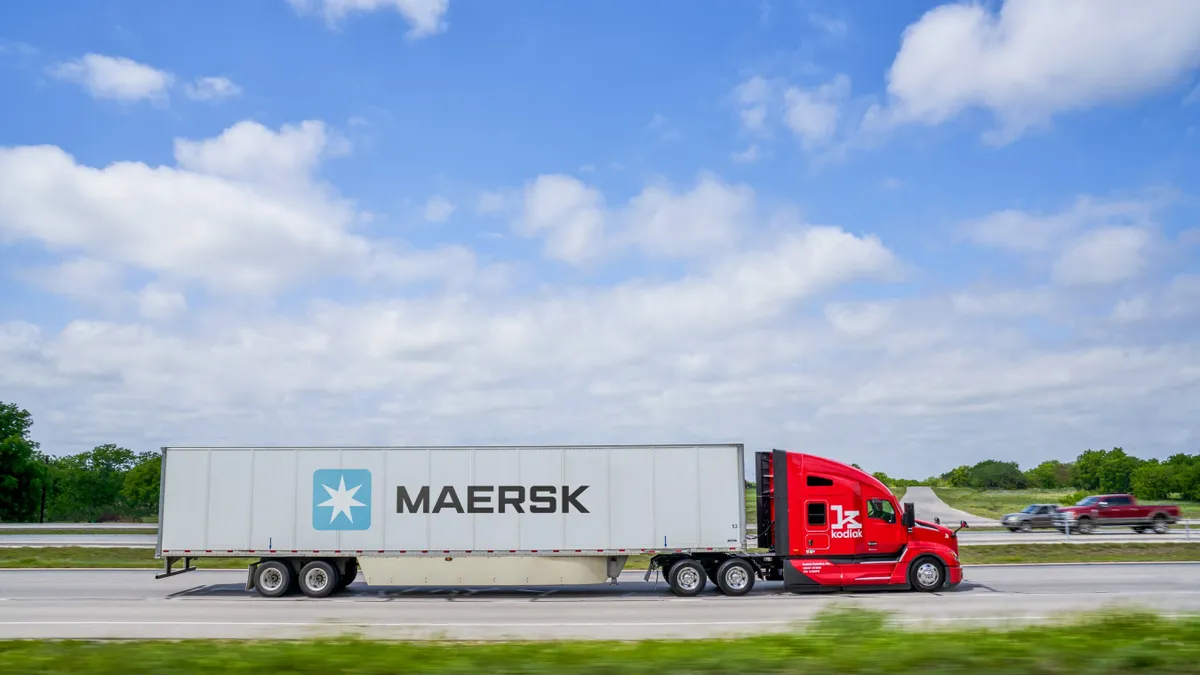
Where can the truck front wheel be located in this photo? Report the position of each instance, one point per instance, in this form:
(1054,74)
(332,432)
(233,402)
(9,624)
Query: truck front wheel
(318,579)
(687,578)
(735,577)
(273,578)
(927,574)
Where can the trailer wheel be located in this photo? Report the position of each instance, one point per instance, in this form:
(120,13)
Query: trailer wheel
(927,574)
(687,578)
(318,579)
(273,579)
(735,577)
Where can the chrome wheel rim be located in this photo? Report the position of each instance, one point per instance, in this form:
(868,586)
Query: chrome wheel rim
(736,577)
(316,579)
(927,574)
(688,579)
(270,580)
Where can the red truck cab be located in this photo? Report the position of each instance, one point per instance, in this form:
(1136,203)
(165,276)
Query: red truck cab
(833,526)
(1115,510)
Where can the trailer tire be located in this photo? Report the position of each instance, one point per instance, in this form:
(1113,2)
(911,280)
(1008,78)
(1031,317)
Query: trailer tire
(735,577)
(687,578)
(927,574)
(318,579)
(273,578)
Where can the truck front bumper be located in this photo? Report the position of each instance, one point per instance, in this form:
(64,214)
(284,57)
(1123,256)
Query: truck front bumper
(954,576)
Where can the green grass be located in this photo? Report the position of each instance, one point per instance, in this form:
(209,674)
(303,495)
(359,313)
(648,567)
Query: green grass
(80,556)
(996,503)
(61,557)
(1057,553)
(837,641)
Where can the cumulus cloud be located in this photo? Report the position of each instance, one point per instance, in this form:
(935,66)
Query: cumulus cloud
(439,209)
(567,213)
(241,211)
(426,17)
(115,77)
(1028,61)
(213,88)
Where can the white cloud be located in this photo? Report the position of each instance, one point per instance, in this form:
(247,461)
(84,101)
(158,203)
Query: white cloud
(858,320)
(213,88)
(748,156)
(831,26)
(813,114)
(662,126)
(569,214)
(427,17)
(156,302)
(1032,60)
(709,218)
(1018,230)
(753,98)
(241,211)
(1103,256)
(438,209)
(80,278)
(116,78)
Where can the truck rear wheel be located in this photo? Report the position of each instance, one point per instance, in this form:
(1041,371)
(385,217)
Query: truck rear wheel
(687,578)
(1160,525)
(927,574)
(735,577)
(1085,525)
(273,578)
(318,579)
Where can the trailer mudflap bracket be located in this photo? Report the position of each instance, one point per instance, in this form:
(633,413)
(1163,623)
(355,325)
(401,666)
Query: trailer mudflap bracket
(169,562)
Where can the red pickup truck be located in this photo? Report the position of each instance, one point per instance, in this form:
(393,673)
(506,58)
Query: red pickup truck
(1115,511)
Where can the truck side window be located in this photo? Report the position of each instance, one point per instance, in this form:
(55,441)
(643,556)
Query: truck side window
(818,481)
(816,514)
(881,509)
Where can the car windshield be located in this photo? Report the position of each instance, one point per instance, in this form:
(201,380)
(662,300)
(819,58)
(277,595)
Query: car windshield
(1030,509)
(1087,501)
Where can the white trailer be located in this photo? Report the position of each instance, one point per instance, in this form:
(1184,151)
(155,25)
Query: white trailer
(445,516)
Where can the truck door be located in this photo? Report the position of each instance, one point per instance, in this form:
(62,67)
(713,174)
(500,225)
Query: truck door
(883,537)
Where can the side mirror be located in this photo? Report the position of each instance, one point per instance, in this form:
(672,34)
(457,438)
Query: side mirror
(961,525)
(937,521)
(910,515)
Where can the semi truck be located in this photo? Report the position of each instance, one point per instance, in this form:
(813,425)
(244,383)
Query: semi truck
(313,518)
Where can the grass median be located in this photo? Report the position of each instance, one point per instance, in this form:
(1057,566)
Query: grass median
(99,558)
(837,641)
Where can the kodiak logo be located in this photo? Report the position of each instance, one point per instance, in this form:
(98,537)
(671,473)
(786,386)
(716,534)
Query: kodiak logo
(846,526)
(493,499)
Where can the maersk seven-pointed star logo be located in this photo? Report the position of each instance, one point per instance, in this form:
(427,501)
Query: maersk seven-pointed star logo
(341,499)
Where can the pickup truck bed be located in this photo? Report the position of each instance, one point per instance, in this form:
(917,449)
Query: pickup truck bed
(1115,510)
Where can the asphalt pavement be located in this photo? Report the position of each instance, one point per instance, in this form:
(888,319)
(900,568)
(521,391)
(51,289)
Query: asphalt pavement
(214,604)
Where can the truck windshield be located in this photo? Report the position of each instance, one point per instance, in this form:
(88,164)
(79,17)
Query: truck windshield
(1030,509)
(1087,501)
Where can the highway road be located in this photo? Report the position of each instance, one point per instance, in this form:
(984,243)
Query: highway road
(214,604)
(966,538)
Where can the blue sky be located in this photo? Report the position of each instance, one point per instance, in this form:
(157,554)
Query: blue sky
(907,234)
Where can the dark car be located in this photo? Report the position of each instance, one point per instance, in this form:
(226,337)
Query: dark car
(1030,517)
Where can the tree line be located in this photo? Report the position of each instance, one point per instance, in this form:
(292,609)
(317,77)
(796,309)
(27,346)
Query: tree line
(106,483)
(112,483)
(1092,471)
